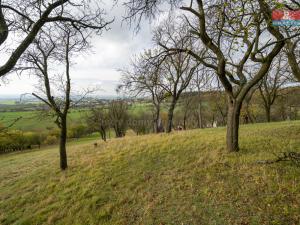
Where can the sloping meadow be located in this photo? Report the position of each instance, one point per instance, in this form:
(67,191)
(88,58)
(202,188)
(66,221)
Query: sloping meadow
(181,178)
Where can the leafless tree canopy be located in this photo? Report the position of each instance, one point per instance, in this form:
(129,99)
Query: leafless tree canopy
(278,76)
(144,79)
(25,19)
(53,48)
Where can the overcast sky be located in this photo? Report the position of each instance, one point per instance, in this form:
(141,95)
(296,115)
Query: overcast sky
(111,51)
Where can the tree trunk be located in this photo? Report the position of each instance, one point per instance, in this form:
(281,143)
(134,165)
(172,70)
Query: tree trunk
(268,113)
(233,122)
(248,99)
(118,131)
(248,113)
(200,119)
(62,144)
(103,134)
(184,121)
(157,121)
(170,116)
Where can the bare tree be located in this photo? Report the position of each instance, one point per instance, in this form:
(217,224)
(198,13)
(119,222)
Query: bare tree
(179,68)
(269,87)
(98,120)
(233,46)
(143,79)
(201,81)
(50,50)
(25,19)
(118,117)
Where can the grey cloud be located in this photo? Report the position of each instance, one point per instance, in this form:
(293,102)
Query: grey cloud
(111,51)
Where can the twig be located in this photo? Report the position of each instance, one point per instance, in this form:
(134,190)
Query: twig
(293,157)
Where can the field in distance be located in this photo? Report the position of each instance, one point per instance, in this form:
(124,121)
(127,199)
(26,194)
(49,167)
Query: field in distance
(34,121)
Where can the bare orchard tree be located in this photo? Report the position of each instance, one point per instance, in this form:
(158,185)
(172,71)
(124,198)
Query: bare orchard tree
(269,88)
(178,68)
(233,46)
(118,116)
(21,21)
(201,81)
(98,120)
(143,79)
(52,50)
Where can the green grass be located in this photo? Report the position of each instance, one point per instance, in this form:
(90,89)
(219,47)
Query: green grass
(140,107)
(32,121)
(182,178)
(7,102)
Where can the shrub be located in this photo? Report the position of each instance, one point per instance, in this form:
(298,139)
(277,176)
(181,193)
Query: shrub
(50,140)
(77,131)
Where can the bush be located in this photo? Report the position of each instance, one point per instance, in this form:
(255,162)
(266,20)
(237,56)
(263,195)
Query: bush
(34,138)
(50,140)
(17,140)
(54,132)
(77,131)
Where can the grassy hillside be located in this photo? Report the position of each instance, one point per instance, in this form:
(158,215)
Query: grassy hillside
(181,178)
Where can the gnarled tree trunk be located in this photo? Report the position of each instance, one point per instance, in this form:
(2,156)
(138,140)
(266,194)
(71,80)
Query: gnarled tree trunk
(233,122)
